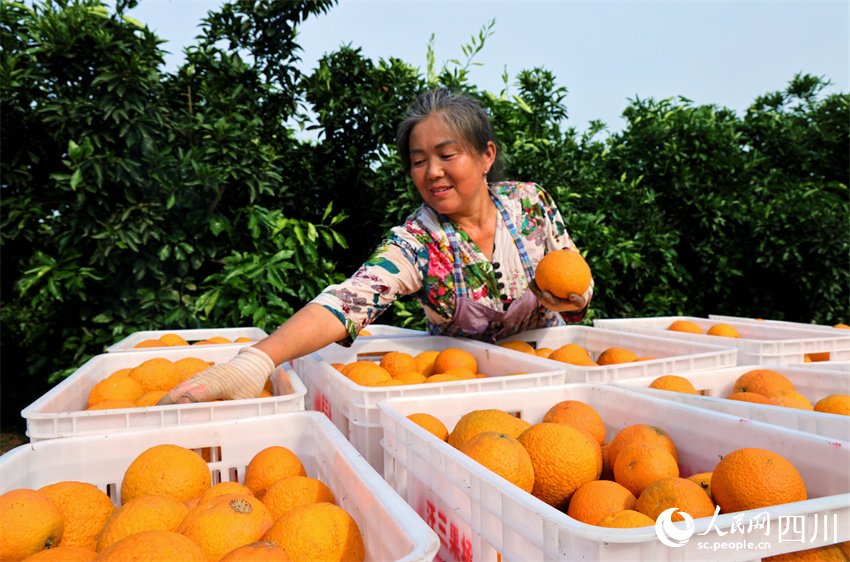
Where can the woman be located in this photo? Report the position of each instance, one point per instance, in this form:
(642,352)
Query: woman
(467,255)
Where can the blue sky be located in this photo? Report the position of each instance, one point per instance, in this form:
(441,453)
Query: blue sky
(712,52)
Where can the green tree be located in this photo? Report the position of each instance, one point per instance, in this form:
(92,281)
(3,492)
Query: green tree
(138,200)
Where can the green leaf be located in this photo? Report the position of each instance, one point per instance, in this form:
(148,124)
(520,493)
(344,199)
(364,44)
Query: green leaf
(76,178)
(133,21)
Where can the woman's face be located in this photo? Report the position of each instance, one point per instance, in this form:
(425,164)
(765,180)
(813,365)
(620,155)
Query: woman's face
(449,177)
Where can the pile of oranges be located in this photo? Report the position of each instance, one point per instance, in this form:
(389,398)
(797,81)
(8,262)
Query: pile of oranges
(398,368)
(170,512)
(565,461)
(719,329)
(763,386)
(175,340)
(574,354)
(144,384)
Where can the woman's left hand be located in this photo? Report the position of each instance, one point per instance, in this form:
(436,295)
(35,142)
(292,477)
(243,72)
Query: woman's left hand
(573,302)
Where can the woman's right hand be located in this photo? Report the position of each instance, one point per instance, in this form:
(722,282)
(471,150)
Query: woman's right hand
(573,302)
(242,377)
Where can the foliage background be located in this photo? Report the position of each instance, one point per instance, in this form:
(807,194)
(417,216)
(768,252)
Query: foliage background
(134,199)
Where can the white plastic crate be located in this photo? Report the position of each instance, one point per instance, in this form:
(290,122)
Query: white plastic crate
(60,412)
(843,366)
(474,510)
(386,331)
(391,529)
(769,322)
(353,407)
(671,356)
(759,343)
(715,386)
(191,336)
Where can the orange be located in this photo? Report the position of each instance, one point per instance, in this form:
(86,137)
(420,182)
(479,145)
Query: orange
(364,333)
(121,373)
(563,272)
(260,551)
(318,532)
(410,377)
(640,433)
(387,382)
(243,339)
(607,472)
(270,465)
(685,495)
(791,399)
(224,488)
(431,424)
(219,339)
(543,352)
(292,491)
(476,421)
(502,454)
(85,509)
(226,522)
(518,345)
(441,378)
(172,340)
(203,342)
(153,546)
(149,398)
(156,374)
(112,404)
(842,326)
(338,366)
(626,519)
(753,478)
(810,357)
(640,464)
(685,326)
(29,522)
(762,381)
(616,355)
(461,373)
(453,357)
(834,404)
(579,415)
(573,354)
(830,553)
(145,513)
(425,362)
(150,343)
(367,373)
(563,458)
(167,470)
(704,480)
(673,383)
(348,366)
(115,388)
(723,330)
(63,554)
(751,397)
(398,362)
(598,498)
(189,366)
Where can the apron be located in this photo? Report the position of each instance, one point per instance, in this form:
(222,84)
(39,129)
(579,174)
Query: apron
(474,320)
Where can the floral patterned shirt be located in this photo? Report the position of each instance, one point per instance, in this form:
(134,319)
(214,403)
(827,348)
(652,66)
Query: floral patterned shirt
(416,260)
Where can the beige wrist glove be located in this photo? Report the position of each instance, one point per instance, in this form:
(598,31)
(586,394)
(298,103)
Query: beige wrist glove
(242,377)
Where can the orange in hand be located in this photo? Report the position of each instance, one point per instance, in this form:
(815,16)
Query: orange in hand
(563,272)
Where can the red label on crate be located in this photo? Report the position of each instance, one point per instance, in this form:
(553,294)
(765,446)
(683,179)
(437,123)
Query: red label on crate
(453,532)
(322,404)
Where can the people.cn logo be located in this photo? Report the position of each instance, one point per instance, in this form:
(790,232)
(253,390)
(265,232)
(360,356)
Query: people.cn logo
(670,534)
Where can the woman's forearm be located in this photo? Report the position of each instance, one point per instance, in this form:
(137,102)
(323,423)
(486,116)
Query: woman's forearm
(310,329)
